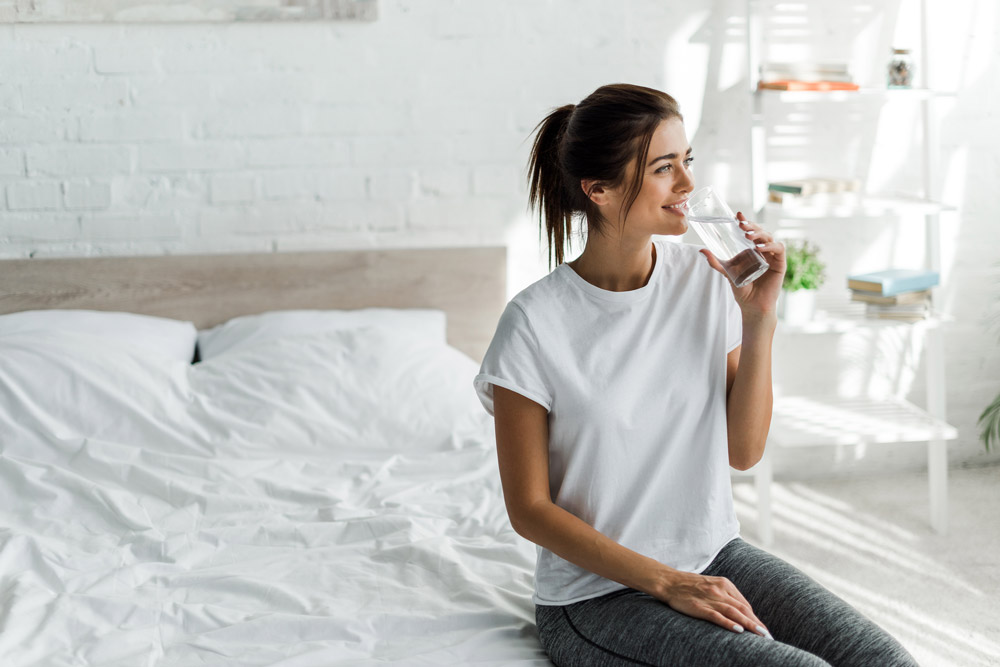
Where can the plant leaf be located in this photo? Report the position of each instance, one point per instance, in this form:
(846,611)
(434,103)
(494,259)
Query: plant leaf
(989,421)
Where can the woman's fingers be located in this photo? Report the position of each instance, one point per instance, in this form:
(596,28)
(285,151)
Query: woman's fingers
(743,605)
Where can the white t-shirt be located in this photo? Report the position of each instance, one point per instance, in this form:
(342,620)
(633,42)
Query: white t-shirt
(635,386)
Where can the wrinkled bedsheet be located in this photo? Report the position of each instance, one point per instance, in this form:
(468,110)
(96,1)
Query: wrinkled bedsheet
(159,513)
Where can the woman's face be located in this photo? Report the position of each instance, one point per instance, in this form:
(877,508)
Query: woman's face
(667,182)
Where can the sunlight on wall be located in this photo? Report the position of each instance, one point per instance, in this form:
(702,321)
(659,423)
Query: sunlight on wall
(685,68)
(527,254)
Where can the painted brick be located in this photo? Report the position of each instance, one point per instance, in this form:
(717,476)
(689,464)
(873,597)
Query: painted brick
(342,184)
(29,129)
(232,188)
(159,91)
(290,184)
(361,214)
(392,183)
(10,98)
(299,152)
(131,127)
(358,120)
(73,160)
(450,117)
(403,151)
(498,180)
(118,227)
(444,181)
(205,53)
(34,195)
(253,121)
(262,218)
(264,89)
(206,155)
(311,184)
(123,58)
(24,61)
(457,213)
(11,162)
(72,96)
(87,194)
(34,228)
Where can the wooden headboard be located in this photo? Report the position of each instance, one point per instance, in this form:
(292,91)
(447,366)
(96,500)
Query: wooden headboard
(469,284)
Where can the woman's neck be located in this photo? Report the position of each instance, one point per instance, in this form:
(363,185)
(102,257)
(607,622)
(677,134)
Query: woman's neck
(616,267)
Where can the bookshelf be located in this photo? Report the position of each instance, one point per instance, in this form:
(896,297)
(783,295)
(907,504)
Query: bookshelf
(830,421)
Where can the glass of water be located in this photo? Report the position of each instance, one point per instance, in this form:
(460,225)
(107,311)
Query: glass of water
(720,231)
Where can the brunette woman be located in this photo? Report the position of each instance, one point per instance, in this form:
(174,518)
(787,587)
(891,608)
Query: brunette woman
(624,384)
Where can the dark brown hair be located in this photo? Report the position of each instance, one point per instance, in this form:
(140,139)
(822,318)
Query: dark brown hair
(593,140)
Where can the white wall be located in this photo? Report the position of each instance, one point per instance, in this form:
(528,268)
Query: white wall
(413,131)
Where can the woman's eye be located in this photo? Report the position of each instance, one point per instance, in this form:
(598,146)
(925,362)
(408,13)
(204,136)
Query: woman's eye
(688,161)
(665,168)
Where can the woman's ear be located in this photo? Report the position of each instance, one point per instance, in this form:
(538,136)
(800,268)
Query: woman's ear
(595,192)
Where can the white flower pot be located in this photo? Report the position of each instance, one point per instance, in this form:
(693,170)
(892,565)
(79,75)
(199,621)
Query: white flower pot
(798,306)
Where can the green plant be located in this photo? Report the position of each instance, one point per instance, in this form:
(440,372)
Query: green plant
(804,270)
(989,421)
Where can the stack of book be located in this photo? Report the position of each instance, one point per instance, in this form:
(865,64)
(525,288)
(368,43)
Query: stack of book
(805,76)
(894,294)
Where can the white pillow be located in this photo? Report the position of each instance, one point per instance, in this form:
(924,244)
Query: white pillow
(371,388)
(240,332)
(172,339)
(68,387)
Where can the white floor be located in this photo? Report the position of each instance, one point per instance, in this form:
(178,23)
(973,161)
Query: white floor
(869,541)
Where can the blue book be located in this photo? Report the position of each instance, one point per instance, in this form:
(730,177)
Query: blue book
(893,281)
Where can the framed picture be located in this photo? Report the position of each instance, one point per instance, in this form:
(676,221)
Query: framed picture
(159,11)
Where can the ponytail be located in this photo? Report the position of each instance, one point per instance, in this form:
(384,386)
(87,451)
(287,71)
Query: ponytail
(595,141)
(548,191)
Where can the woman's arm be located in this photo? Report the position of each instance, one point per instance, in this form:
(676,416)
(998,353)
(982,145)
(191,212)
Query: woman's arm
(749,397)
(522,451)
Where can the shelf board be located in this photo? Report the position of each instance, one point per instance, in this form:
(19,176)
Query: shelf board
(842,95)
(846,206)
(801,421)
(837,315)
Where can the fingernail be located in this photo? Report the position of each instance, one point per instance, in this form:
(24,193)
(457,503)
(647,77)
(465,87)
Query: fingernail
(762,630)
(737,627)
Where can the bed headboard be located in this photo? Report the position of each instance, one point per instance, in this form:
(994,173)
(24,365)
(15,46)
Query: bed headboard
(469,284)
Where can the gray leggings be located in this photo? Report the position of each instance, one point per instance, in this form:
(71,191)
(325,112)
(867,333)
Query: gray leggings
(811,626)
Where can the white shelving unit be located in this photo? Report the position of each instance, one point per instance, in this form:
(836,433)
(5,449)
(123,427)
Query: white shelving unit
(826,421)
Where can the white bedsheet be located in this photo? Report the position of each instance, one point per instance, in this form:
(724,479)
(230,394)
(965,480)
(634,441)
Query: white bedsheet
(156,513)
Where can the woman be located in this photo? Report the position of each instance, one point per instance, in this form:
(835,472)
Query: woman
(624,385)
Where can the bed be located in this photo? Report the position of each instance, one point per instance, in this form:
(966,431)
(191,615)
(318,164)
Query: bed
(318,488)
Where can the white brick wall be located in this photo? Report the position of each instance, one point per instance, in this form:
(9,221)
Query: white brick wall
(414,130)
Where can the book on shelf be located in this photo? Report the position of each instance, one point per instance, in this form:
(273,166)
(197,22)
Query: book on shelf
(796,84)
(815,191)
(809,186)
(891,282)
(804,71)
(909,312)
(901,299)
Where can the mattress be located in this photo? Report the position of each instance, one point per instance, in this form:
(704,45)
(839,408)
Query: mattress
(323,499)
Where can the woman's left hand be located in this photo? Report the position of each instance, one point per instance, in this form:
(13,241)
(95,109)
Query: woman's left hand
(760,296)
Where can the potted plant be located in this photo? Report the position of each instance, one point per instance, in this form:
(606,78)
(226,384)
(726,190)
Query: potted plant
(804,274)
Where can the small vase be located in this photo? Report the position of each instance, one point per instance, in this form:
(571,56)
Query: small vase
(798,306)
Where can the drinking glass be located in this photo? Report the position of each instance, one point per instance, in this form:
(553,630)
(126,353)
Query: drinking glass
(714,222)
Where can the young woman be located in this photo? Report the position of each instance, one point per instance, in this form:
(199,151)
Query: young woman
(624,385)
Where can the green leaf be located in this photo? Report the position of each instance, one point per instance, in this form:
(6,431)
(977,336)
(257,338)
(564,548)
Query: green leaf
(803,268)
(989,421)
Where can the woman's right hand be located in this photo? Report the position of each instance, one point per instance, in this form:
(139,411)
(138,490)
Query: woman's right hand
(714,599)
